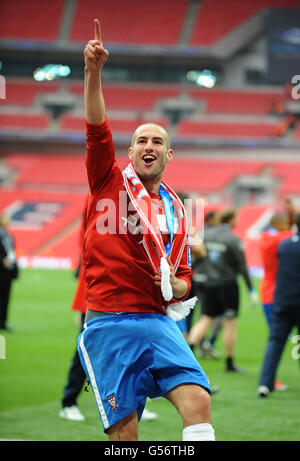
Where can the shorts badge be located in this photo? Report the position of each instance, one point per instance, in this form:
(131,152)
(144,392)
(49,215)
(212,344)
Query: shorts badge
(112,401)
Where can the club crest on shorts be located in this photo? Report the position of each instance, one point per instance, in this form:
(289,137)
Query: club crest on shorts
(112,401)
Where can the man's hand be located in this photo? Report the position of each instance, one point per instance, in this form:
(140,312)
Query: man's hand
(95,55)
(179,286)
(254,298)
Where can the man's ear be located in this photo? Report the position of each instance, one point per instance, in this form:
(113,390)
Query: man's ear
(130,153)
(170,155)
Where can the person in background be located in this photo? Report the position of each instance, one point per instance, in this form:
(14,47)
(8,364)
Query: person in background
(206,346)
(279,230)
(197,252)
(220,295)
(9,270)
(286,309)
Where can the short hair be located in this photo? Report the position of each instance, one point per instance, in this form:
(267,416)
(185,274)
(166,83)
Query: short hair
(209,215)
(167,137)
(227,215)
(277,218)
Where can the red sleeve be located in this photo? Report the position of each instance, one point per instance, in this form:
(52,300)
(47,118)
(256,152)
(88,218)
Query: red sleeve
(100,154)
(83,223)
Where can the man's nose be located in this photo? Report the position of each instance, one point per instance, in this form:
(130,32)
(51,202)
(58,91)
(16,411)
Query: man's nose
(149,146)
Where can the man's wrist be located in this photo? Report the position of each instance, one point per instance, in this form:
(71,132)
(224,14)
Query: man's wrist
(180,288)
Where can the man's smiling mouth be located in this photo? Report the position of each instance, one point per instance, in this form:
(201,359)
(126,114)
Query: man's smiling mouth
(149,158)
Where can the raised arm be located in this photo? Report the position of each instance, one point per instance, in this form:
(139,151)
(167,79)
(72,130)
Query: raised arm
(95,56)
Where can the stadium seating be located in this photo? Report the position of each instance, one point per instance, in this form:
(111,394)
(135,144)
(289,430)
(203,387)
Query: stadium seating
(236,101)
(297,132)
(55,170)
(32,226)
(25,121)
(131,22)
(188,128)
(289,174)
(17,23)
(117,125)
(205,175)
(217,18)
(66,246)
(142,97)
(23,92)
(40,180)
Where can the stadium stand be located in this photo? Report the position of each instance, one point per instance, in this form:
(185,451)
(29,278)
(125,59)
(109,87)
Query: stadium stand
(118,125)
(204,175)
(45,26)
(23,92)
(132,22)
(225,129)
(237,101)
(217,18)
(248,115)
(38,216)
(289,174)
(25,121)
(132,96)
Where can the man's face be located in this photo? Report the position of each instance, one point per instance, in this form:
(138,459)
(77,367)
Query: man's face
(150,152)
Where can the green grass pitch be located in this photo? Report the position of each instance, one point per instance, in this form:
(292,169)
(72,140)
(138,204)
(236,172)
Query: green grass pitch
(39,351)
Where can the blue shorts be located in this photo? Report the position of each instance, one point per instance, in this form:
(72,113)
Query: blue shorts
(182,325)
(129,357)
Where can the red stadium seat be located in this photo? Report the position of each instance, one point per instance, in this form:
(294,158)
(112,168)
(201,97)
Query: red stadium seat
(131,22)
(32,232)
(217,18)
(24,92)
(24,121)
(51,170)
(132,97)
(17,19)
(224,129)
(117,125)
(231,101)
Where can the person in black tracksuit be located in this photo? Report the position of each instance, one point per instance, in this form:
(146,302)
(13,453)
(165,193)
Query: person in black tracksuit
(286,309)
(8,269)
(220,292)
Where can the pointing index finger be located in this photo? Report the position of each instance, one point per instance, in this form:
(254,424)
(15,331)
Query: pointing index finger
(97,30)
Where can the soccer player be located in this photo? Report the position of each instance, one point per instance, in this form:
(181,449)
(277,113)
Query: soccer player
(131,349)
(270,239)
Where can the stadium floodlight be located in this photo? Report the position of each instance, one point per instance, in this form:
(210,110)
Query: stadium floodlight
(51,72)
(64,71)
(39,75)
(207,79)
(202,78)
